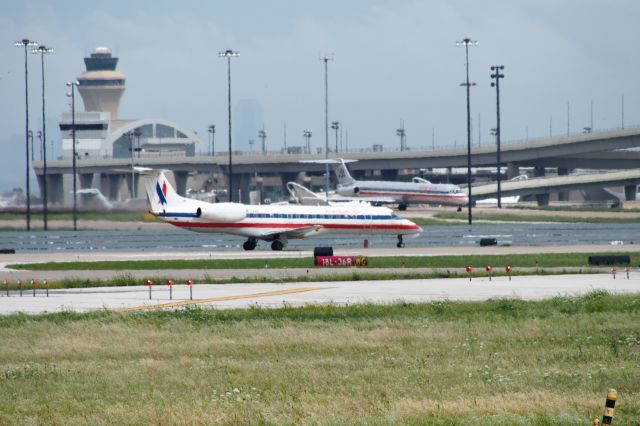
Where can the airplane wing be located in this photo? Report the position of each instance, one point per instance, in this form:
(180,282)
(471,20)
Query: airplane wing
(296,233)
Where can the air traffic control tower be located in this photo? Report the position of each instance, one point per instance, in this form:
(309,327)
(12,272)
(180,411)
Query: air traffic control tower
(102,136)
(101,86)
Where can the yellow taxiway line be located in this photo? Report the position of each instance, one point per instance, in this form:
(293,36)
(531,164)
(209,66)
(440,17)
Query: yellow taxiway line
(220,299)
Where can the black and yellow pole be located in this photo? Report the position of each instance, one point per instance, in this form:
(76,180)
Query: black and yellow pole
(609,405)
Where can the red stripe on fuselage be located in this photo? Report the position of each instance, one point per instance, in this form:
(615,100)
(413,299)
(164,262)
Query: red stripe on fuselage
(223,225)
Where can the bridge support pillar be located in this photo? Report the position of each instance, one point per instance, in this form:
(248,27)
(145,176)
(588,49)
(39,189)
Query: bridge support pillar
(630,192)
(512,170)
(181,182)
(260,188)
(542,199)
(132,193)
(563,195)
(104,184)
(55,194)
(538,171)
(114,182)
(244,183)
(85,180)
(40,179)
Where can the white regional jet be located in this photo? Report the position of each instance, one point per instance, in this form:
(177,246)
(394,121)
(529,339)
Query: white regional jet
(419,191)
(275,223)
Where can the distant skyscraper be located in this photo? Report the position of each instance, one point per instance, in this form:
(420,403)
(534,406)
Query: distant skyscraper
(101,86)
(248,119)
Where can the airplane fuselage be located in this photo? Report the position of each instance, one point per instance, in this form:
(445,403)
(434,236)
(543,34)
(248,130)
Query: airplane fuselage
(406,192)
(275,223)
(267,221)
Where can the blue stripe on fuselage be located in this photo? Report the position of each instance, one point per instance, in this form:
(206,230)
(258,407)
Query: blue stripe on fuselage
(164,214)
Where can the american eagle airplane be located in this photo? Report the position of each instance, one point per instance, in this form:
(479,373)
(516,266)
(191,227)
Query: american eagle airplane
(275,223)
(419,191)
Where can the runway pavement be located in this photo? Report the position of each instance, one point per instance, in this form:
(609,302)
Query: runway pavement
(271,295)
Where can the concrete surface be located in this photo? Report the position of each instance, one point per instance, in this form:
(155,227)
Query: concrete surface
(297,294)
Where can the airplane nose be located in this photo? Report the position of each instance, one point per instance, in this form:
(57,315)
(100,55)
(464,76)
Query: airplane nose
(413,228)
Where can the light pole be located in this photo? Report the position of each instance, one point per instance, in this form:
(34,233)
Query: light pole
(42,50)
(263,135)
(133,175)
(401,132)
(212,135)
(497,76)
(326,59)
(30,135)
(307,137)
(229,54)
(39,136)
(25,42)
(137,134)
(335,125)
(466,43)
(72,94)
(133,134)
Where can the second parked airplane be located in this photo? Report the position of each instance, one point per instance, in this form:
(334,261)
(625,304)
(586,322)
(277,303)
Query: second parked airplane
(419,191)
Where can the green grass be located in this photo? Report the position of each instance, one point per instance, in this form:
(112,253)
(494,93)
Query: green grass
(577,208)
(429,221)
(500,362)
(543,260)
(506,217)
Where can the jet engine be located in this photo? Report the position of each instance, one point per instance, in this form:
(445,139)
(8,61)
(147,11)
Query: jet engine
(222,212)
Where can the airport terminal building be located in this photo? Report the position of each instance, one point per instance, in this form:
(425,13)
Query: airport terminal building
(101,134)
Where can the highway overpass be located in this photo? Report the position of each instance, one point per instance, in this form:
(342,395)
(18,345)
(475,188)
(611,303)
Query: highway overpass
(542,187)
(597,150)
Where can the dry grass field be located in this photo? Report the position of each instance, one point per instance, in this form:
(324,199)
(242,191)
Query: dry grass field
(501,362)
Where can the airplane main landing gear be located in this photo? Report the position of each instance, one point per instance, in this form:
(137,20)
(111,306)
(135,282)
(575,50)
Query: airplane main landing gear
(459,208)
(400,242)
(402,207)
(250,244)
(277,245)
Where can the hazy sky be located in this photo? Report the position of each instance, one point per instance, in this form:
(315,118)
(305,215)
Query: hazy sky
(393,60)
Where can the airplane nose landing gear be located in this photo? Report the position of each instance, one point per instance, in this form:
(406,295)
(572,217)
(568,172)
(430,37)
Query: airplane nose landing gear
(400,242)
(277,245)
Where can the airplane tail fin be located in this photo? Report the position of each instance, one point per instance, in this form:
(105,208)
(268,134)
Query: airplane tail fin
(342,173)
(160,192)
